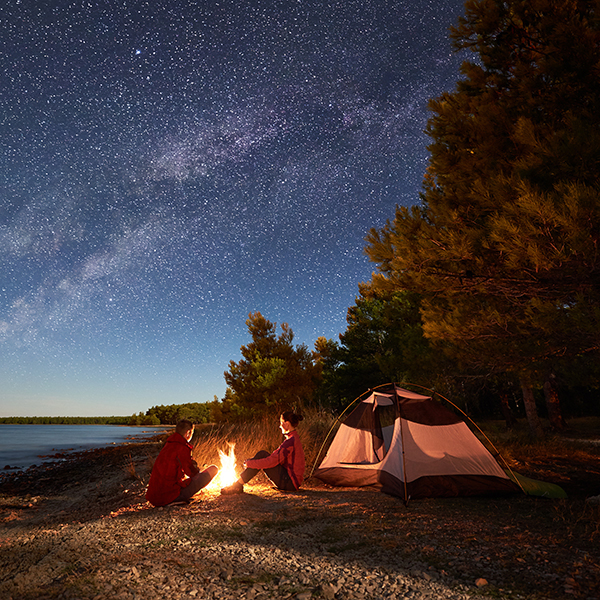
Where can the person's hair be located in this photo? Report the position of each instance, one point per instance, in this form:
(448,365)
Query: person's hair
(291,417)
(183,426)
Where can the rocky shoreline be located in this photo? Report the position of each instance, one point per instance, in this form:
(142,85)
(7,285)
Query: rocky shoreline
(83,530)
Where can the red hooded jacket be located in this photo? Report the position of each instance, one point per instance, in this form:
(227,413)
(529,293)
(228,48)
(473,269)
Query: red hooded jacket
(171,471)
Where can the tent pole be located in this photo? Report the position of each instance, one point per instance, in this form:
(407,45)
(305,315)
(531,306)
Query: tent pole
(403,462)
(403,453)
(369,391)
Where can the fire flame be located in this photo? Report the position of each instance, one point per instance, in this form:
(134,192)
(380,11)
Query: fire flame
(227,473)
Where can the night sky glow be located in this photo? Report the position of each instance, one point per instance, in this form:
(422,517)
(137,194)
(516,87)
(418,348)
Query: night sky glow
(169,166)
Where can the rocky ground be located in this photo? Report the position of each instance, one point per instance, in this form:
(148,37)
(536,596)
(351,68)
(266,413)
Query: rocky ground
(83,530)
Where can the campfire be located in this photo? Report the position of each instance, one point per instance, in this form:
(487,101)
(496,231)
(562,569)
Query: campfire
(227,473)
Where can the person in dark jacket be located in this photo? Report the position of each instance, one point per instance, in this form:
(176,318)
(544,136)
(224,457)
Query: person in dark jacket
(285,467)
(175,476)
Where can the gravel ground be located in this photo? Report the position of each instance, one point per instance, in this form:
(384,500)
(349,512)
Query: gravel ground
(84,530)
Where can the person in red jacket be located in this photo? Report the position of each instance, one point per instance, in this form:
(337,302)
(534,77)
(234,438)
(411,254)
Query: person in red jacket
(175,476)
(284,467)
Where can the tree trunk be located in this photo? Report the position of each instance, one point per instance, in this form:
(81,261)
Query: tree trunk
(509,417)
(553,404)
(530,409)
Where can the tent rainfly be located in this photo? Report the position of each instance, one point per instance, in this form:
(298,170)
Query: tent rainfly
(411,446)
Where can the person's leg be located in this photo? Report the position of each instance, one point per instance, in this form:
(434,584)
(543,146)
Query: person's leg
(247,474)
(199,481)
(278,475)
(280,478)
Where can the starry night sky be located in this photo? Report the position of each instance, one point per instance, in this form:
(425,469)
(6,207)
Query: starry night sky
(169,166)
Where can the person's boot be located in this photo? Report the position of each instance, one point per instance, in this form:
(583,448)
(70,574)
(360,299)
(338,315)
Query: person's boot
(234,488)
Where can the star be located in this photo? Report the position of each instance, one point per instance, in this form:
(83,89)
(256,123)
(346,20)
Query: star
(148,206)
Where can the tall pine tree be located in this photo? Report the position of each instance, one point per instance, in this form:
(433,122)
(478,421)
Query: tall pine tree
(504,246)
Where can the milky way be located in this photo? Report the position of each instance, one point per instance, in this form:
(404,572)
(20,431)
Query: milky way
(169,167)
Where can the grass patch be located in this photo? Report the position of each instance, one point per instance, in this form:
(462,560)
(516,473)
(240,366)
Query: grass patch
(580,442)
(262,434)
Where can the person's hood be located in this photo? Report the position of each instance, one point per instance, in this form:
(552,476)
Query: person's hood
(177,438)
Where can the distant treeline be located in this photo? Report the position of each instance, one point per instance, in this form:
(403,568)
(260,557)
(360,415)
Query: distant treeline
(65,420)
(196,412)
(157,415)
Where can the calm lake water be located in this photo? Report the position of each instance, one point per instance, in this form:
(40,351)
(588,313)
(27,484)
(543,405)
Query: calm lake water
(25,445)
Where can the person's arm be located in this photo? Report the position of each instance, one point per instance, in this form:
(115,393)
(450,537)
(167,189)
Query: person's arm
(279,457)
(187,464)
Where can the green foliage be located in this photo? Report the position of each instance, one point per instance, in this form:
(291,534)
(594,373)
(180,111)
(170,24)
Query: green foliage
(504,247)
(196,412)
(328,357)
(268,373)
(146,420)
(272,373)
(383,342)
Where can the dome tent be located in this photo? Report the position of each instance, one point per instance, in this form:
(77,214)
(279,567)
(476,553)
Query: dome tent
(411,446)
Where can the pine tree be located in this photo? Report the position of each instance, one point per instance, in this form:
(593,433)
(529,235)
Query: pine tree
(504,245)
(384,342)
(327,357)
(272,374)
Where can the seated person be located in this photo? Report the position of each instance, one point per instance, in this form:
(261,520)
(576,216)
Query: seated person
(175,476)
(284,467)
